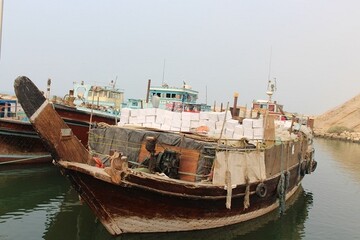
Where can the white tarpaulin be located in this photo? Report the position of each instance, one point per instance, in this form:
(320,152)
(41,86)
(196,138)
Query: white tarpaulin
(241,165)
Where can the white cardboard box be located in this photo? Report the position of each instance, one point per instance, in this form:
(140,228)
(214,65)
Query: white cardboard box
(134,112)
(229,133)
(125,112)
(149,119)
(195,116)
(239,130)
(247,123)
(150,111)
(219,124)
(194,123)
(175,129)
(186,116)
(165,127)
(204,115)
(248,133)
(141,119)
(185,129)
(185,123)
(231,124)
(213,116)
(258,123)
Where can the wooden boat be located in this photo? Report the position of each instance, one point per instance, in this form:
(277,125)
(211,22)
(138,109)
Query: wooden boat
(19,143)
(158,181)
(176,99)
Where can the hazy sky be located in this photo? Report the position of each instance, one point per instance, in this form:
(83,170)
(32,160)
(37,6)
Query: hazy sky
(217,46)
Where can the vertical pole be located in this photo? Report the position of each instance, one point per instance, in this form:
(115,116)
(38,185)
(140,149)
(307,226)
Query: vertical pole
(236,95)
(48,89)
(148,91)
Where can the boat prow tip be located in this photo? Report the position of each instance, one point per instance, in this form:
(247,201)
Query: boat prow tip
(19,80)
(28,95)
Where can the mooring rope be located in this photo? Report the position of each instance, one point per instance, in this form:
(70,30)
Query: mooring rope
(281,185)
(24,159)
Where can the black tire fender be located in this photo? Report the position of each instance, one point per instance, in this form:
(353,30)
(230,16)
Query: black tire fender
(261,190)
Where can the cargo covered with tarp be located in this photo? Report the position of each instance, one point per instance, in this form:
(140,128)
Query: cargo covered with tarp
(196,156)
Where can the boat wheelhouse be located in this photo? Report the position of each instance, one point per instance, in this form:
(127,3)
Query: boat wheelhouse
(99,98)
(176,99)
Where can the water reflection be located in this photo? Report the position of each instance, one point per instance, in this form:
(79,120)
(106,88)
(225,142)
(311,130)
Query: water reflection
(30,195)
(27,187)
(345,153)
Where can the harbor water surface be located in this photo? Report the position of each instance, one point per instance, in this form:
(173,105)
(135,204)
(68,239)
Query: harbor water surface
(37,202)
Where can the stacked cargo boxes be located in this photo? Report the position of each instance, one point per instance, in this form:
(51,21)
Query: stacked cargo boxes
(217,123)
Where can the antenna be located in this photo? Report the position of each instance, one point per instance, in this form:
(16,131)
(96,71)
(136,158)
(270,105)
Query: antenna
(115,82)
(271,88)
(270,63)
(163,79)
(205,94)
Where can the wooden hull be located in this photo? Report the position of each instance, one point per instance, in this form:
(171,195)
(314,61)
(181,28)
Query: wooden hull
(139,205)
(20,144)
(79,121)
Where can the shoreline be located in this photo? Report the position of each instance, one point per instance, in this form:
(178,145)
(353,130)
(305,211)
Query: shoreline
(344,136)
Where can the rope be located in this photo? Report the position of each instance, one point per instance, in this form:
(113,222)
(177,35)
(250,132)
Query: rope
(24,159)
(281,185)
(228,188)
(281,193)
(247,193)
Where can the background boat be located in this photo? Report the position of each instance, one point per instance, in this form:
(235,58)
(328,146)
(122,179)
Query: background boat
(20,144)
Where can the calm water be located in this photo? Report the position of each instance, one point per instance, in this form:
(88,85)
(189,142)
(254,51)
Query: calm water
(38,203)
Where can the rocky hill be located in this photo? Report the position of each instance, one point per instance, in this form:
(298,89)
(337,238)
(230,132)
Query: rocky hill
(346,115)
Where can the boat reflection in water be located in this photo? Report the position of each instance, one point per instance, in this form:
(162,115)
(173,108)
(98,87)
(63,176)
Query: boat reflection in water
(270,226)
(80,223)
(38,203)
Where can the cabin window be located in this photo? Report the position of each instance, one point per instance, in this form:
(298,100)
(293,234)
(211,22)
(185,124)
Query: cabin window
(168,95)
(173,95)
